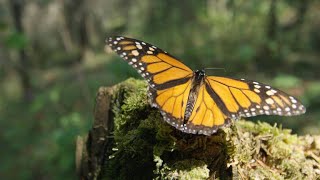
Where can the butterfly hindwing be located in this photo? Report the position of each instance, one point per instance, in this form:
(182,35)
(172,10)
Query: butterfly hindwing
(172,102)
(207,115)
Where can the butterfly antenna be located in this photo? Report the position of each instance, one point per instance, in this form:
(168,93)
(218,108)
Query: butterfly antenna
(215,69)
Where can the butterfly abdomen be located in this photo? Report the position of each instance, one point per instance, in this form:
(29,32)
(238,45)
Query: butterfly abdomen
(190,105)
(196,83)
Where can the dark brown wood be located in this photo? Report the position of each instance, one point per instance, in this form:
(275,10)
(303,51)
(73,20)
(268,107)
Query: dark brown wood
(90,156)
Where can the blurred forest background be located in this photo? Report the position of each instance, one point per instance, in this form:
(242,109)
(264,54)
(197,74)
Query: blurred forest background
(52,62)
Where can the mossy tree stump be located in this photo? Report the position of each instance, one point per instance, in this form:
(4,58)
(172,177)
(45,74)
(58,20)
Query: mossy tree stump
(129,140)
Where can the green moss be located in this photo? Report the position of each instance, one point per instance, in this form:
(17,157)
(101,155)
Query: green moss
(185,169)
(275,152)
(146,147)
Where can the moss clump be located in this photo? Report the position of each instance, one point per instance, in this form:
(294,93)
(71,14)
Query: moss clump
(264,151)
(146,147)
(185,169)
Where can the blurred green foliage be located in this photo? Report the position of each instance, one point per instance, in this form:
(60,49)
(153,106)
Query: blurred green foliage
(16,40)
(275,42)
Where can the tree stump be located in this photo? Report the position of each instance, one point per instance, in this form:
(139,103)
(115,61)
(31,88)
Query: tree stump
(130,140)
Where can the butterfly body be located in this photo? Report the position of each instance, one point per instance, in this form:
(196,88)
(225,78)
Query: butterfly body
(197,80)
(196,103)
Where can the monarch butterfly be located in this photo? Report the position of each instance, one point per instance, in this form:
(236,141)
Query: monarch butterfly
(196,103)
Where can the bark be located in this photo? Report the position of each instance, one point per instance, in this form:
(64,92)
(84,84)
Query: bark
(143,146)
(90,151)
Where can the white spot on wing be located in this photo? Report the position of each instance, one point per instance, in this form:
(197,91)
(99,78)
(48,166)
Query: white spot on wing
(269,101)
(294,106)
(293,100)
(269,93)
(301,107)
(139,46)
(135,52)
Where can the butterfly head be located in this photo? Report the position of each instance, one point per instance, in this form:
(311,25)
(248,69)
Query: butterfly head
(200,73)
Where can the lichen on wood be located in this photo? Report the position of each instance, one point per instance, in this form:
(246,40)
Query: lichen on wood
(142,146)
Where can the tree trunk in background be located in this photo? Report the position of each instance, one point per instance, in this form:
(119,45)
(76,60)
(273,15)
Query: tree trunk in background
(272,21)
(269,51)
(301,10)
(83,32)
(75,14)
(16,7)
(302,7)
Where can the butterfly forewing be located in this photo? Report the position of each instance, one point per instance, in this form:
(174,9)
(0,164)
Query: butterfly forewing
(160,69)
(250,98)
